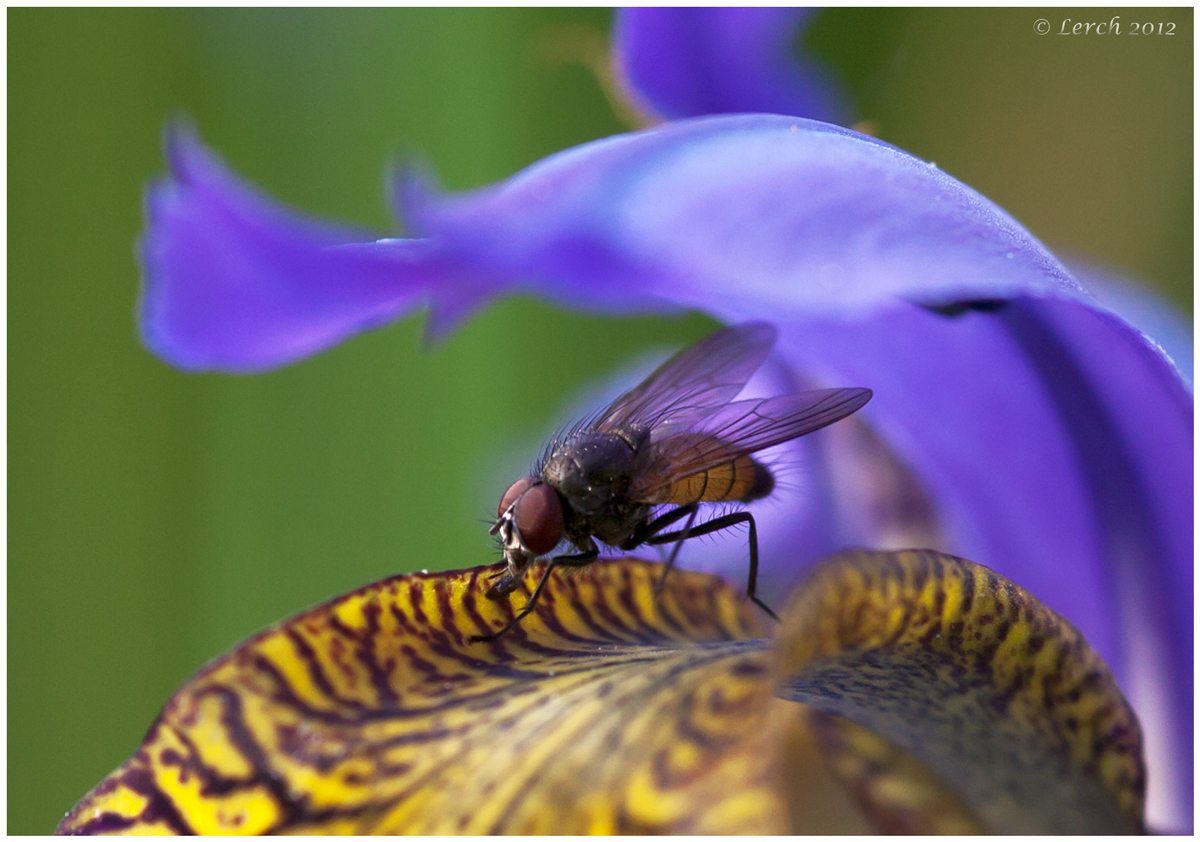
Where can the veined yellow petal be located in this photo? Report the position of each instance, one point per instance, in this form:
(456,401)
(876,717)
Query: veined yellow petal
(907,692)
(999,697)
(606,710)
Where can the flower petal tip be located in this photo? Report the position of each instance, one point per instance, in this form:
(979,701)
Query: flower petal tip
(234,281)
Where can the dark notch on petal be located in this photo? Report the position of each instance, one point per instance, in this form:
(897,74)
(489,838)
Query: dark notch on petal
(955,309)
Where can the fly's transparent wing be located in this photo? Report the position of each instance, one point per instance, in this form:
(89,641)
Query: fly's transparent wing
(694,383)
(739,429)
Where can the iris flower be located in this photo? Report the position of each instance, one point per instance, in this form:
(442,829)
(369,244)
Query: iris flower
(1016,422)
(610,709)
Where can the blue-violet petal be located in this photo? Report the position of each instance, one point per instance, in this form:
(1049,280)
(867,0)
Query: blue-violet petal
(680,62)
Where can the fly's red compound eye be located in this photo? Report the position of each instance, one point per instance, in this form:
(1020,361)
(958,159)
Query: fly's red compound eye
(514,491)
(539,518)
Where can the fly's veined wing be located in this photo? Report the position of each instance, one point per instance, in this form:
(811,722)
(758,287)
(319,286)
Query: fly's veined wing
(694,382)
(739,429)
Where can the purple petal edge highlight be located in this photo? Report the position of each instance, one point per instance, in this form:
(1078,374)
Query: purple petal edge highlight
(1160,320)
(713,211)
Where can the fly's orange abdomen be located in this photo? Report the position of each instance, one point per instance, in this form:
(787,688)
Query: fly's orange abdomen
(741,479)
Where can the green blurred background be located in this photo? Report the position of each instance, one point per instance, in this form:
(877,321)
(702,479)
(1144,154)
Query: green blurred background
(155,518)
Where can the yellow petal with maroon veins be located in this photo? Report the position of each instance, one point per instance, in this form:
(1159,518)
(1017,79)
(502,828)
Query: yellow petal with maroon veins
(907,692)
(945,662)
(606,710)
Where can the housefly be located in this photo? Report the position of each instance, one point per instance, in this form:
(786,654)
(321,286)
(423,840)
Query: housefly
(677,440)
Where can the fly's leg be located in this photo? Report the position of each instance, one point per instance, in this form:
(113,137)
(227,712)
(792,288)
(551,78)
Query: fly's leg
(576,560)
(715,525)
(506,584)
(683,534)
(643,533)
(508,578)
(520,615)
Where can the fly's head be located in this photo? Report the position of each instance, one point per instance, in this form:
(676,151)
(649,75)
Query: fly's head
(529,521)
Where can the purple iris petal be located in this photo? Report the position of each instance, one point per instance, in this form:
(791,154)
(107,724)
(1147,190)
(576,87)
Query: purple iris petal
(1052,438)
(1058,447)
(1161,322)
(691,62)
(741,213)
(235,282)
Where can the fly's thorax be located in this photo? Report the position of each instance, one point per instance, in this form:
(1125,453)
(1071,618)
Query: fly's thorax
(591,470)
